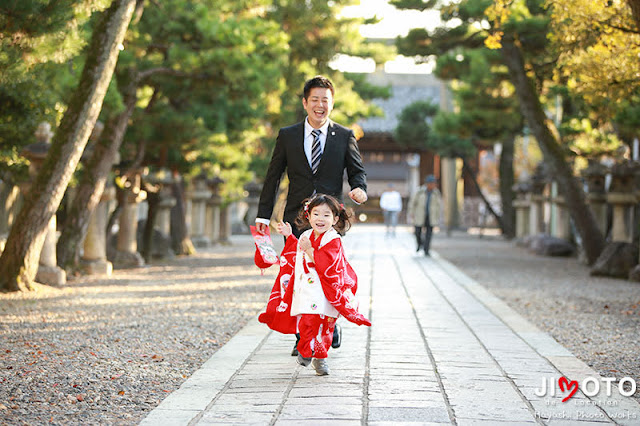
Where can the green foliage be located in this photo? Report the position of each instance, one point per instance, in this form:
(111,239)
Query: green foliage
(221,77)
(414,127)
(626,118)
(599,48)
(414,4)
(40,43)
(451,137)
(481,87)
(39,31)
(218,66)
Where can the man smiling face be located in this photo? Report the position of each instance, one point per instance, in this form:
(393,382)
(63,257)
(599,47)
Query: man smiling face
(318,105)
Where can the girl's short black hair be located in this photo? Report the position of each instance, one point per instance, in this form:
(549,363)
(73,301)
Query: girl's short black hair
(338,210)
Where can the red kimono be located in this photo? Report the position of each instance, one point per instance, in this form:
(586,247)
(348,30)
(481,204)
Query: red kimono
(337,278)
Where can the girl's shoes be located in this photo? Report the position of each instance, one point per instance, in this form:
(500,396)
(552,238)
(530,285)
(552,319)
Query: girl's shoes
(303,361)
(320,364)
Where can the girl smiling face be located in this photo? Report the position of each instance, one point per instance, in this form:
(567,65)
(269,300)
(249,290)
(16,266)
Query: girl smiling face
(322,219)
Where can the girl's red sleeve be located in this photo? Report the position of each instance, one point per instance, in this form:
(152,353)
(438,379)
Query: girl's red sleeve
(277,315)
(337,276)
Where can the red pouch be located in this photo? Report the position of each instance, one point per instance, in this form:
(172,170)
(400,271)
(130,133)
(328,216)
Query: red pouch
(266,254)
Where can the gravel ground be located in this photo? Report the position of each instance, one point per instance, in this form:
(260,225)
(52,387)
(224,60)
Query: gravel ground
(598,319)
(106,351)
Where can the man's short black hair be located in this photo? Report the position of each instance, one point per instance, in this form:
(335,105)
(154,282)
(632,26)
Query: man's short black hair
(318,81)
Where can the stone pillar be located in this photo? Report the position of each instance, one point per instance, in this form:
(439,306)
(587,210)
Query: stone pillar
(522,204)
(595,175)
(253,189)
(562,223)
(199,195)
(164,180)
(214,203)
(167,201)
(94,257)
(537,200)
(127,255)
(450,192)
(225,225)
(48,270)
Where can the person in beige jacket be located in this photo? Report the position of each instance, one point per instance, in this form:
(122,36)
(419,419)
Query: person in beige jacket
(426,199)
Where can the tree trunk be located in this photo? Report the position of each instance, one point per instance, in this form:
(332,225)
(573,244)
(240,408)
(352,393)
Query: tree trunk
(153,201)
(91,185)
(507,179)
(19,261)
(635,11)
(180,241)
(584,220)
(474,179)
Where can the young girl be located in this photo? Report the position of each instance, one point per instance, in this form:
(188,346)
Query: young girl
(323,285)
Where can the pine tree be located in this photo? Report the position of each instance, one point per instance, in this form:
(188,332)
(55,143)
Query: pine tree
(19,260)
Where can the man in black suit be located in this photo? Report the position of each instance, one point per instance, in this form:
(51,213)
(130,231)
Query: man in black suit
(293,153)
(297,150)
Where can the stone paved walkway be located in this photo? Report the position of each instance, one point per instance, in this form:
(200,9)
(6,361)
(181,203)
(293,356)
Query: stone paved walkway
(442,349)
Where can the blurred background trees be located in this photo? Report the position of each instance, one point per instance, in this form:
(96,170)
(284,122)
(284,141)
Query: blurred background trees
(567,70)
(200,87)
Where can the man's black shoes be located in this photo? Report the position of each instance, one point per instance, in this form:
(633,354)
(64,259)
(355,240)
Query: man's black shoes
(337,337)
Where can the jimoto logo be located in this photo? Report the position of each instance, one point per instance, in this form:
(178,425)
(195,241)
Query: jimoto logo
(590,386)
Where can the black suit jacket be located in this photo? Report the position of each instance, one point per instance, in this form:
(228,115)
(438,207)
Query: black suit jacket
(340,153)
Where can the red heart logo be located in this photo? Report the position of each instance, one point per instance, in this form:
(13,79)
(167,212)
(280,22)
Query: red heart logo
(564,382)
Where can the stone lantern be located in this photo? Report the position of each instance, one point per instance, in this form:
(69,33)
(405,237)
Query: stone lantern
(127,255)
(560,218)
(595,175)
(536,211)
(94,255)
(214,204)
(167,201)
(48,270)
(622,197)
(199,195)
(522,204)
(620,255)
(253,189)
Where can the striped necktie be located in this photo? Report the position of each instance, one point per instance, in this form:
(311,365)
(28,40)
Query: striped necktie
(316,151)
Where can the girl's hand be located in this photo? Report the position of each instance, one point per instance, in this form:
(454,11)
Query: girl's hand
(284,228)
(304,243)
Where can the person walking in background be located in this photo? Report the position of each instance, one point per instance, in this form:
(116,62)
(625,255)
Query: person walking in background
(424,212)
(316,283)
(391,205)
(315,154)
